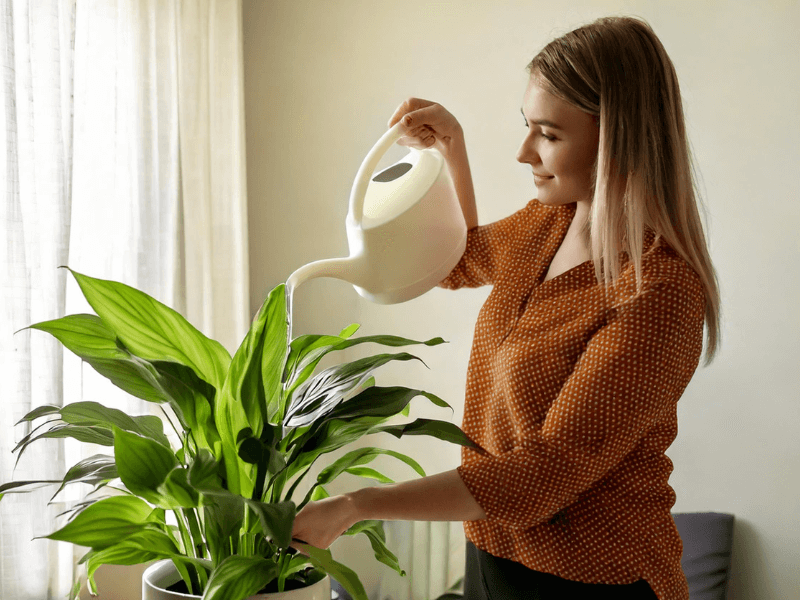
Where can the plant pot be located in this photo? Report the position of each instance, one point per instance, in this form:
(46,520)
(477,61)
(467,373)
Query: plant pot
(159,576)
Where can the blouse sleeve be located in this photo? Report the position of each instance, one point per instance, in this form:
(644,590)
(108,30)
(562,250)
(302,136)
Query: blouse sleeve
(632,370)
(485,246)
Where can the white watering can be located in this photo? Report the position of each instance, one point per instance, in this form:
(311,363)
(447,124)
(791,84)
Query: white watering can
(405,227)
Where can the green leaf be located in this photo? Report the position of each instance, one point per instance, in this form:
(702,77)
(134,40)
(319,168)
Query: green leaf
(105,522)
(276,520)
(11,487)
(442,430)
(203,471)
(90,339)
(344,575)
(89,435)
(363,456)
(319,493)
(261,354)
(349,330)
(335,433)
(381,402)
(331,387)
(192,401)
(40,411)
(177,492)
(368,473)
(94,470)
(152,330)
(377,539)
(275,351)
(142,464)
(306,352)
(146,545)
(94,413)
(239,577)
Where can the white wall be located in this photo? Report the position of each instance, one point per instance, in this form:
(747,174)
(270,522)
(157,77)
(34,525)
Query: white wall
(322,79)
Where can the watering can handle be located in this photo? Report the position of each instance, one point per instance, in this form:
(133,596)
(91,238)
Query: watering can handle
(361,183)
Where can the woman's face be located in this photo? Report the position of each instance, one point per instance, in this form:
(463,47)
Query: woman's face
(560,146)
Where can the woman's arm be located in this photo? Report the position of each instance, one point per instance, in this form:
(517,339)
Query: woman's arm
(442,497)
(458,165)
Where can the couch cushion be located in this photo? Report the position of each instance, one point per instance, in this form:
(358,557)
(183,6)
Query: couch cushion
(707,539)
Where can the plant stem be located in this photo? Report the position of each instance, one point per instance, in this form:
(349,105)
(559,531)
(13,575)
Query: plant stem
(166,416)
(196,533)
(244,545)
(189,549)
(188,546)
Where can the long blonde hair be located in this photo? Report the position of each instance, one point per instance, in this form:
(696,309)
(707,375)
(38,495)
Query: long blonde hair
(615,68)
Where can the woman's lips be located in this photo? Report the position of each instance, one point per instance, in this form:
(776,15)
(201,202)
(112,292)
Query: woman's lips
(539,179)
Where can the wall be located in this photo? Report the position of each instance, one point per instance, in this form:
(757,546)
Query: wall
(323,78)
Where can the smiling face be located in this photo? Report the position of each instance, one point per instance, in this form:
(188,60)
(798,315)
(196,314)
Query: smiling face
(560,146)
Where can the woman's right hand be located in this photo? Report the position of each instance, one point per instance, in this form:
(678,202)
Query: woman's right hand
(427,125)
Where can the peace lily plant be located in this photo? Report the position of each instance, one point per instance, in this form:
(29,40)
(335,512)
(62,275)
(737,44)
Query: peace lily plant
(249,429)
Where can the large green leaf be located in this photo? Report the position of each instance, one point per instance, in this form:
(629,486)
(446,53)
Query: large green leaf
(239,577)
(368,473)
(442,430)
(152,330)
(93,413)
(362,456)
(90,339)
(176,491)
(39,411)
(356,458)
(306,351)
(377,539)
(12,487)
(57,430)
(143,546)
(344,575)
(381,402)
(94,470)
(252,387)
(331,387)
(106,522)
(336,433)
(192,401)
(276,519)
(275,351)
(142,464)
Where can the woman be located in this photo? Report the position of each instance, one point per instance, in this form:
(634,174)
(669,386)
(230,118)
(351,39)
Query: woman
(593,329)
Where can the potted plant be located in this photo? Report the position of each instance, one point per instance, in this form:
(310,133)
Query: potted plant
(219,503)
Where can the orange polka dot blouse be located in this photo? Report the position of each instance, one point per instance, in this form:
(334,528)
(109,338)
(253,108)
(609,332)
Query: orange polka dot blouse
(572,399)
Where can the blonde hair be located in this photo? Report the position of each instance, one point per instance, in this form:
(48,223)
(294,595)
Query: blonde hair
(615,68)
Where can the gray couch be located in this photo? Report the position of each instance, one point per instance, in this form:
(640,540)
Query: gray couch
(707,539)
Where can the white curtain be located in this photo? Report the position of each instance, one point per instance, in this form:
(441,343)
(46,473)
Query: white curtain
(122,157)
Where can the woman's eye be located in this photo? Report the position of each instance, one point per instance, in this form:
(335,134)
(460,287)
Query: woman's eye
(548,137)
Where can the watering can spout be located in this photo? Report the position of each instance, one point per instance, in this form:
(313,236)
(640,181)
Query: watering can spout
(347,269)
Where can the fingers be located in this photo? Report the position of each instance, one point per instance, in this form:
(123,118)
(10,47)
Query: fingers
(410,105)
(298,547)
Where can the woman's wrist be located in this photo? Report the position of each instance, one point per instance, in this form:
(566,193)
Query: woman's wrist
(359,502)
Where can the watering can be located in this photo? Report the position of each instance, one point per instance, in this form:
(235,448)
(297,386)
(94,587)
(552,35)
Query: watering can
(405,227)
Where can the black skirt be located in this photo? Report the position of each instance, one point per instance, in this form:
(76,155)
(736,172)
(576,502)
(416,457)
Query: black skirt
(490,578)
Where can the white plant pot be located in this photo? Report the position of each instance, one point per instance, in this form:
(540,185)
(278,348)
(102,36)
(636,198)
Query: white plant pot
(159,576)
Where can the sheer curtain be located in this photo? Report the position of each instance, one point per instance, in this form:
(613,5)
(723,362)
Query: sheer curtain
(123,157)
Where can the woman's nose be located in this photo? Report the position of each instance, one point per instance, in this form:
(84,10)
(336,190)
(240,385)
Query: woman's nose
(527,153)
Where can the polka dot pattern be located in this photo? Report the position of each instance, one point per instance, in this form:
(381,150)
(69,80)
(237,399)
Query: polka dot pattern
(572,397)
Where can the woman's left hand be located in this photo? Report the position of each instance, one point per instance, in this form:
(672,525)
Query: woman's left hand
(320,523)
